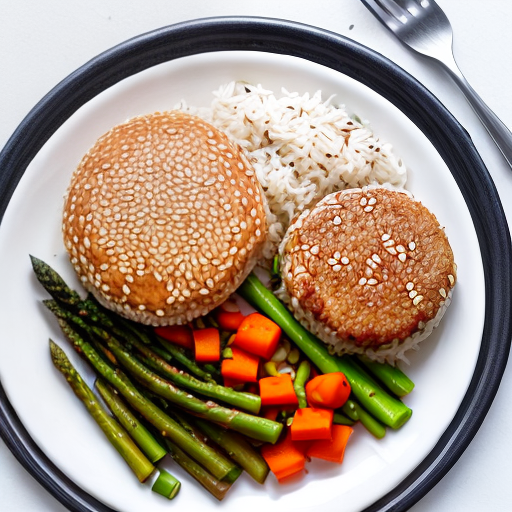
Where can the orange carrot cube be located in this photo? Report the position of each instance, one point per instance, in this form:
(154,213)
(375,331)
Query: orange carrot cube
(329,390)
(259,335)
(271,413)
(277,391)
(333,449)
(232,383)
(229,320)
(284,458)
(243,367)
(178,334)
(207,345)
(312,423)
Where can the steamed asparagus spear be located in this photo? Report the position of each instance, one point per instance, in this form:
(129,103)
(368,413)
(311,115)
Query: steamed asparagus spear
(356,413)
(247,401)
(214,486)
(116,434)
(53,283)
(301,377)
(258,428)
(138,432)
(185,422)
(178,353)
(165,424)
(70,299)
(237,447)
(391,376)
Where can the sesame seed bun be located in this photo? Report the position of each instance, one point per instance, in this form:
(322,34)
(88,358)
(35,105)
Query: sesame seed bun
(369,271)
(164,218)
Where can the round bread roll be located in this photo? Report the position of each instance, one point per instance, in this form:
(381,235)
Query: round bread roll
(369,271)
(164,218)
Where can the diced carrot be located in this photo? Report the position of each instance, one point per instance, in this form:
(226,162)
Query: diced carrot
(228,320)
(243,367)
(332,450)
(303,446)
(312,423)
(179,334)
(207,345)
(252,387)
(232,383)
(277,391)
(271,413)
(259,335)
(328,390)
(283,458)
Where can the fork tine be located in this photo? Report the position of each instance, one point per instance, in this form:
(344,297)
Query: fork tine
(396,8)
(386,12)
(411,7)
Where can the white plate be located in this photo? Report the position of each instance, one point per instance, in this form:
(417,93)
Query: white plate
(58,422)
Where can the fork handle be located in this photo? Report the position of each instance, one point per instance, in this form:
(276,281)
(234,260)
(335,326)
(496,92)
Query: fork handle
(492,123)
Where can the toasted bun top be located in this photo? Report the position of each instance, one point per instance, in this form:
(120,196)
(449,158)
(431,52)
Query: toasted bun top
(164,218)
(372,265)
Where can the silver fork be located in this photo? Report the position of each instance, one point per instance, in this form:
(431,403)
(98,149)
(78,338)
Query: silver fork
(424,27)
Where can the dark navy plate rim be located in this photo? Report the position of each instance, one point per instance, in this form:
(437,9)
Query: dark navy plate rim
(371,69)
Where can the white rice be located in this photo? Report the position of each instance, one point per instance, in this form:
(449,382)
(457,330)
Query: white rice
(302,148)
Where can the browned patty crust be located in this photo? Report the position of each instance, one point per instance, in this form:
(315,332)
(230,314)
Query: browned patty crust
(164,218)
(372,265)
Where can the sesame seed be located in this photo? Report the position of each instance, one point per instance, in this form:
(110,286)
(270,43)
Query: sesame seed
(402,257)
(345,260)
(409,286)
(337,220)
(412,246)
(362,281)
(417,299)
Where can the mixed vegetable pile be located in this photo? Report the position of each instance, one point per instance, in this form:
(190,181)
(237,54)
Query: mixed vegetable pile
(227,393)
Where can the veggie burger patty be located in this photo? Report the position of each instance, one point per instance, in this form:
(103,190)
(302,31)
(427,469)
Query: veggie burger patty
(164,218)
(368,271)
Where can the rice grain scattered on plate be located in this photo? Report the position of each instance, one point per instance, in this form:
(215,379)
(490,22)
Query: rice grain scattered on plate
(302,148)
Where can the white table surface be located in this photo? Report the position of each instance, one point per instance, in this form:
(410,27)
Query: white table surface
(42,41)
